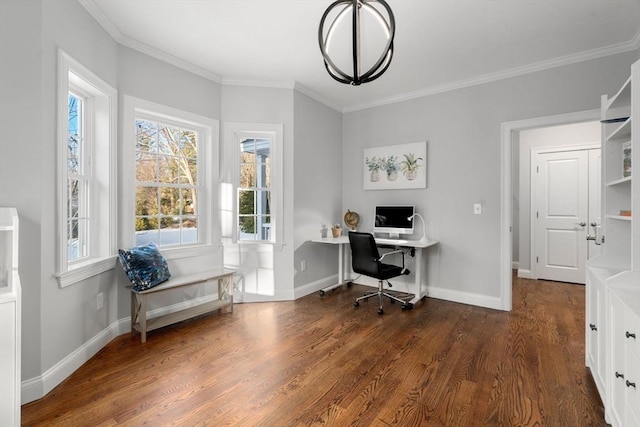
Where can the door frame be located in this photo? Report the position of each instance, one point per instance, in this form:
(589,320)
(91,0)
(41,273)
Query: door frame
(533,202)
(506,204)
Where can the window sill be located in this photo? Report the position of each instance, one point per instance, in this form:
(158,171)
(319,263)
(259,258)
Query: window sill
(82,271)
(259,246)
(190,251)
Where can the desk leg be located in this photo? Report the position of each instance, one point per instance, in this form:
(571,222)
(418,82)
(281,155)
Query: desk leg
(341,263)
(419,286)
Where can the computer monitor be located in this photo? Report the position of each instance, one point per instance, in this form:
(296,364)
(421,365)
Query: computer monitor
(393,220)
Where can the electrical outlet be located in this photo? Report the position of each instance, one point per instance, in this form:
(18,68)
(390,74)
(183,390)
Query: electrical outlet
(303,265)
(100,301)
(477,208)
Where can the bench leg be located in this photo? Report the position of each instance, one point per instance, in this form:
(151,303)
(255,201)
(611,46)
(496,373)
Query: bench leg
(225,290)
(142,314)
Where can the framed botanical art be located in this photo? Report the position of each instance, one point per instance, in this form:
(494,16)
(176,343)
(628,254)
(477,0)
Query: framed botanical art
(399,166)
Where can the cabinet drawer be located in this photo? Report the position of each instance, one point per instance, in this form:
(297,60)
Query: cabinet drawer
(631,329)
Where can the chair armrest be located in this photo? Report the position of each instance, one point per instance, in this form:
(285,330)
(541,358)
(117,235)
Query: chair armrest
(391,253)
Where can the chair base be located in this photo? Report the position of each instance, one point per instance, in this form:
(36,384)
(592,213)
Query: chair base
(380,293)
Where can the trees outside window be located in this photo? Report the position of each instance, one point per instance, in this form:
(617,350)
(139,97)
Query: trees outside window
(167,185)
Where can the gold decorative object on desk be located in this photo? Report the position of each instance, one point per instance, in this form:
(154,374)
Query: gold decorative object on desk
(351,219)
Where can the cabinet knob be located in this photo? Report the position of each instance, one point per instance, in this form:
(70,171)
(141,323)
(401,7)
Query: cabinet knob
(593,327)
(581,223)
(630,384)
(630,335)
(619,375)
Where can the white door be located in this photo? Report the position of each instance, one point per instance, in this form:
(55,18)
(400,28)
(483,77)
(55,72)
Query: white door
(562,216)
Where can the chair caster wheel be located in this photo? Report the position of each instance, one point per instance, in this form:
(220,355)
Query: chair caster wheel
(380,312)
(356,304)
(407,306)
(349,284)
(321,293)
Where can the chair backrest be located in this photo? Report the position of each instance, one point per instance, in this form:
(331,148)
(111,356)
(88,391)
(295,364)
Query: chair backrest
(364,254)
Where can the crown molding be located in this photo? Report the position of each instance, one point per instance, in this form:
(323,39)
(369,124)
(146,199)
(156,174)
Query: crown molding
(126,41)
(313,95)
(100,17)
(588,55)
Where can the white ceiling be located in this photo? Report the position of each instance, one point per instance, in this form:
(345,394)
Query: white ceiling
(439,44)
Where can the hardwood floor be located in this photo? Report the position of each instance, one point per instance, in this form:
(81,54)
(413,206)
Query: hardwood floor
(320,361)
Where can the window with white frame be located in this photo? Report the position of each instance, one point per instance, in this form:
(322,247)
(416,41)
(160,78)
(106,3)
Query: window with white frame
(254,191)
(172,177)
(253,166)
(86,173)
(167,183)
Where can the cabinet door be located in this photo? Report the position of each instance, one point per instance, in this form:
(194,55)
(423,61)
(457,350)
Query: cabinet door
(618,371)
(632,368)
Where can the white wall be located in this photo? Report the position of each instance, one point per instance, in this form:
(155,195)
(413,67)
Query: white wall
(317,169)
(556,136)
(463,130)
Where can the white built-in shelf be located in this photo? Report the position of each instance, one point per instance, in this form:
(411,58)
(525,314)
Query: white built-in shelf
(622,133)
(619,217)
(620,99)
(619,181)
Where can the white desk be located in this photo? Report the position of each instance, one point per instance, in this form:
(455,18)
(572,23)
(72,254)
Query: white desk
(419,285)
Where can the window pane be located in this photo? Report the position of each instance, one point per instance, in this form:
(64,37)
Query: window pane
(170,201)
(189,171)
(168,169)
(72,240)
(248,146)
(145,167)
(188,202)
(263,202)
(146,136)
(246,228)
(146,201)
(144,237)
(247,175)
(189,230)
(73,201)
(74,141)
(246,202)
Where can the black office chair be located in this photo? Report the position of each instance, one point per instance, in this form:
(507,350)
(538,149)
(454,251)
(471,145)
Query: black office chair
(366,260)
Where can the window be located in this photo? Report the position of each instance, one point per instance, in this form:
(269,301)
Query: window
(170,174)
(78,179)
(253,167)
(167,183)
(86,173)
(254,195)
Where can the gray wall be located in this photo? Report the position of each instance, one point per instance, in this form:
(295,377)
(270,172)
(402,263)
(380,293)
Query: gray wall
(317,171)
(464,149)
(57,322)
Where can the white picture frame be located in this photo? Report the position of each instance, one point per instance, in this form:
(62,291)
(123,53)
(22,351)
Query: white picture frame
(401,166)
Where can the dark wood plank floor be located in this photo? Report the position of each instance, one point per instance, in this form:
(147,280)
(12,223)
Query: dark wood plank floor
(320,361)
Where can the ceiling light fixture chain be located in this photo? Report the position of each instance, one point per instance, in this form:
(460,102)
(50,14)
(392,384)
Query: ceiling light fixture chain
(355,7)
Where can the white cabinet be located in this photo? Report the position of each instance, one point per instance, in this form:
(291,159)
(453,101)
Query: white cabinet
(613,278)
(9,319)
(625,356)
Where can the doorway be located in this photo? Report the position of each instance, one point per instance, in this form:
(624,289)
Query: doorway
(510,132)
(564,210)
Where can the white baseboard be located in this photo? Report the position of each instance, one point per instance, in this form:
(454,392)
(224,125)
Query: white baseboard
(464,297)
(525,274)
(36,388)
(515,265)
(309,288)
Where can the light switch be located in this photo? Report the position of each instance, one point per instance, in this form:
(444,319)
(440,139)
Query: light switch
(477,208)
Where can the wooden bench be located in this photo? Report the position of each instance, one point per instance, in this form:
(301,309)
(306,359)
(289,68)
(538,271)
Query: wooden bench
(139,321)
